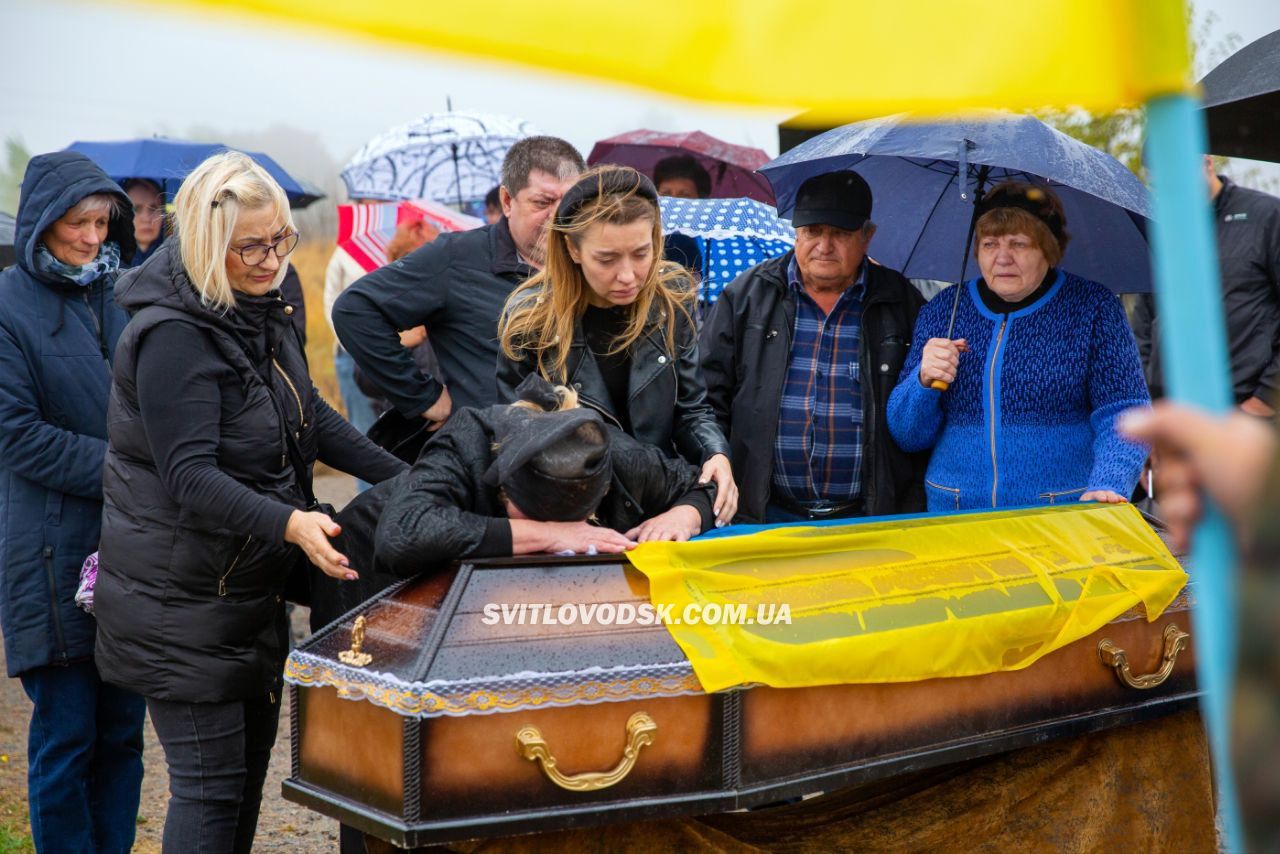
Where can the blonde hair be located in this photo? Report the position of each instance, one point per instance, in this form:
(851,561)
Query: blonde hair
(204,219)
(566,399)
(540,315)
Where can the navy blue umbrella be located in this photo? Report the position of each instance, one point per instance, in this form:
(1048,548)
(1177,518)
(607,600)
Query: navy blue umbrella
(168,161)
(926,176)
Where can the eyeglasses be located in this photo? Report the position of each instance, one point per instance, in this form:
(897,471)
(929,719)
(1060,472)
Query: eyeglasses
(256,253)
(148,211)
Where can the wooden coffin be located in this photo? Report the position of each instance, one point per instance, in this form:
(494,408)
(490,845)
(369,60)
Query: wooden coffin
(448,731)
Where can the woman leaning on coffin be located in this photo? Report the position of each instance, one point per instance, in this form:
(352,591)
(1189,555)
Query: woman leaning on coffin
(213,428)
(610,319)
(1019,404)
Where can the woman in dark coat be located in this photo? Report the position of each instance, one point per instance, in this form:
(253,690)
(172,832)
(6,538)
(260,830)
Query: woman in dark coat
(541,475)
(214,428)
(58,330)
(609,319)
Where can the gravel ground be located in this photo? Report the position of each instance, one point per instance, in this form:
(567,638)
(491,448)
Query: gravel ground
(283,826)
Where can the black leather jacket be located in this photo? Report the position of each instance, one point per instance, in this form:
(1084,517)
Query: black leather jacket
(442,509)
(667,403)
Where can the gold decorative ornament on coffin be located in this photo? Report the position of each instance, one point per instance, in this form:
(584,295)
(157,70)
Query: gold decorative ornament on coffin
(355,656)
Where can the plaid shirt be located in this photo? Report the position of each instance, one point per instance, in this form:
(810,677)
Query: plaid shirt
(817,454)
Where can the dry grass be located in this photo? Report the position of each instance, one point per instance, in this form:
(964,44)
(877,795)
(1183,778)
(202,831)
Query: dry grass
(310,260)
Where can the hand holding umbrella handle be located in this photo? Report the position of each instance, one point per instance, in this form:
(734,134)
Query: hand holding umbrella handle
(940,362)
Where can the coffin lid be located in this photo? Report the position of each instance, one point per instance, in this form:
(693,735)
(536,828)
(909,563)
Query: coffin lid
(427,665)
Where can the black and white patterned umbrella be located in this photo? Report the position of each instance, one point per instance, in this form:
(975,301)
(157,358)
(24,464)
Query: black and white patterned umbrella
(454,157)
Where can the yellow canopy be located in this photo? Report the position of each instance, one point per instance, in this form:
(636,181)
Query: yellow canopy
(842,59)
(904,600)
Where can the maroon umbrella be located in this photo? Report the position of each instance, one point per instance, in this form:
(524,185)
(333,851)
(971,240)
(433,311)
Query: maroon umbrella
(732,167)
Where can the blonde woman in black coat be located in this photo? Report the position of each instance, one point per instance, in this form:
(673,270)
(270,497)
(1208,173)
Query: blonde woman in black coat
(214,426)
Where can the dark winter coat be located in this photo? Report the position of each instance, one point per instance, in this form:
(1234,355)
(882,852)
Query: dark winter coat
(667,398)
(1248,229)
(442,509)
(193,564)
(746,346)
(56,341)
(456,286)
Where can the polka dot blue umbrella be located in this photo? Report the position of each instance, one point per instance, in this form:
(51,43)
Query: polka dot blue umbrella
(723,237)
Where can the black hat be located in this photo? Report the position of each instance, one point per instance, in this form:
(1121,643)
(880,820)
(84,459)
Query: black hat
(554,466)
(617,180)
(1035,200)
(841,199)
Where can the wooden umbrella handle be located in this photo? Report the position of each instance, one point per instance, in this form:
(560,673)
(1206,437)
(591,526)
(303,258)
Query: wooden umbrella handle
(939,385)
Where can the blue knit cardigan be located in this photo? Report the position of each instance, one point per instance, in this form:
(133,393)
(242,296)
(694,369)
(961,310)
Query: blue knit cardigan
(1031,416)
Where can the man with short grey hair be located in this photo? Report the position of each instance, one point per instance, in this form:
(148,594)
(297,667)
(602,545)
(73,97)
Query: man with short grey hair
(456,287)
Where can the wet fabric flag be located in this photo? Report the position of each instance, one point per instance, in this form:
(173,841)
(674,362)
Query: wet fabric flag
(905,599)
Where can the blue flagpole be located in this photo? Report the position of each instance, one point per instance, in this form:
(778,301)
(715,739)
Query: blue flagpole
(1194,353)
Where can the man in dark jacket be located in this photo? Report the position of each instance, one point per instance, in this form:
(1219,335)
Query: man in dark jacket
(456,286)
(1248,227)
(58,330)
(800,355)
(520,479)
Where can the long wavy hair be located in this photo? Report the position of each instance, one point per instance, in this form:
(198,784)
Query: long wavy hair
(540,315)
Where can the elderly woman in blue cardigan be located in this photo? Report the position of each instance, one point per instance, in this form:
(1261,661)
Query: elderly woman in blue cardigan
(1020,406)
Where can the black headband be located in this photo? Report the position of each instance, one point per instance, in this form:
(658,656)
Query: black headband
(1034,200)
(609,182)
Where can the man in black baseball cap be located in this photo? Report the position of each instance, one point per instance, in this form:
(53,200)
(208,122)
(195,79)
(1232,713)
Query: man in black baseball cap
(840,199)
(800,355)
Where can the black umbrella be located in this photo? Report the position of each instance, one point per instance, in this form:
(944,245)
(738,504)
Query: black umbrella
(1242,102)
(8,225)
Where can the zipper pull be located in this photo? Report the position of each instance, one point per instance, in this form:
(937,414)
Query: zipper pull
(222,586)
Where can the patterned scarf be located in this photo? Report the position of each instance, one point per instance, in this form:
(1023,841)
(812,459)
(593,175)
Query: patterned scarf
(106,264)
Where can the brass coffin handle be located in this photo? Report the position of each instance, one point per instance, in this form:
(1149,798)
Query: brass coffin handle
(532,746)
(1175,641)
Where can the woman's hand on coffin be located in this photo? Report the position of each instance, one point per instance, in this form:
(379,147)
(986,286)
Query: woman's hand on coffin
(577,537)
(310,531)
(1104,496)
(718,470)
(941,360)
(676,525)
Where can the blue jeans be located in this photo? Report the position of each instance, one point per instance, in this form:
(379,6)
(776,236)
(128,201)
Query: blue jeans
(84,760)
(217,755)
(359,410)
